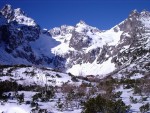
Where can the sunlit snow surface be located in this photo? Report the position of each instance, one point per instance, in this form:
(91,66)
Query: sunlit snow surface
(99,39)
(93,69)
(13,108)
(23,19)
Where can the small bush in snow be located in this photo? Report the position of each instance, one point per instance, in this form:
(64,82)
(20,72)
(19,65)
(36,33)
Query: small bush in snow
(34,104)
(133,100)
(145,108)
(144,98)
(74,79)
(58,75)
(60,105)
(20,98)
(117,94)
(137,90)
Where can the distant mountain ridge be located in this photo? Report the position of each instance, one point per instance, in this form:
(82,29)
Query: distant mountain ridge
(80,49)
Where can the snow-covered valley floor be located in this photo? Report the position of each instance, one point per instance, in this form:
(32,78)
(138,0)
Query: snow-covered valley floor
(40,90)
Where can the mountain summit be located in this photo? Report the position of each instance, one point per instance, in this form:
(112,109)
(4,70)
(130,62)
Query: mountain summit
(80,49)
(17,15)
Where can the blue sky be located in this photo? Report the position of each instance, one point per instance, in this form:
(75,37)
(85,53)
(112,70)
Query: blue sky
(103,14)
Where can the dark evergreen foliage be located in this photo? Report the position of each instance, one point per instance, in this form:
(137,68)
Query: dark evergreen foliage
(102,105)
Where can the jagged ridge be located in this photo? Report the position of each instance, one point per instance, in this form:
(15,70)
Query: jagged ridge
(80,49)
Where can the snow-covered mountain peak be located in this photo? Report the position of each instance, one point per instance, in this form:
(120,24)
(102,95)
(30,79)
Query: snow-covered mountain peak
(81,22)
(18,12)
(145,13)
(134,20)
(83,28)
(7,11)
(133,16)
(135,11)
(17,15)
(137,15)
(7,7)
(61,31)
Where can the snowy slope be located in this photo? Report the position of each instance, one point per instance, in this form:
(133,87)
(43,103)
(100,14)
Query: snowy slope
(28,76)
(96,39)
(43,45)
(93,68)
(33,75)
(6,58)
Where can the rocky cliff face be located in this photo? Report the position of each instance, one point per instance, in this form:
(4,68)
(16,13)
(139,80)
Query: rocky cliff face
(91,51)
(16,33)
(132,52)
(79,49)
